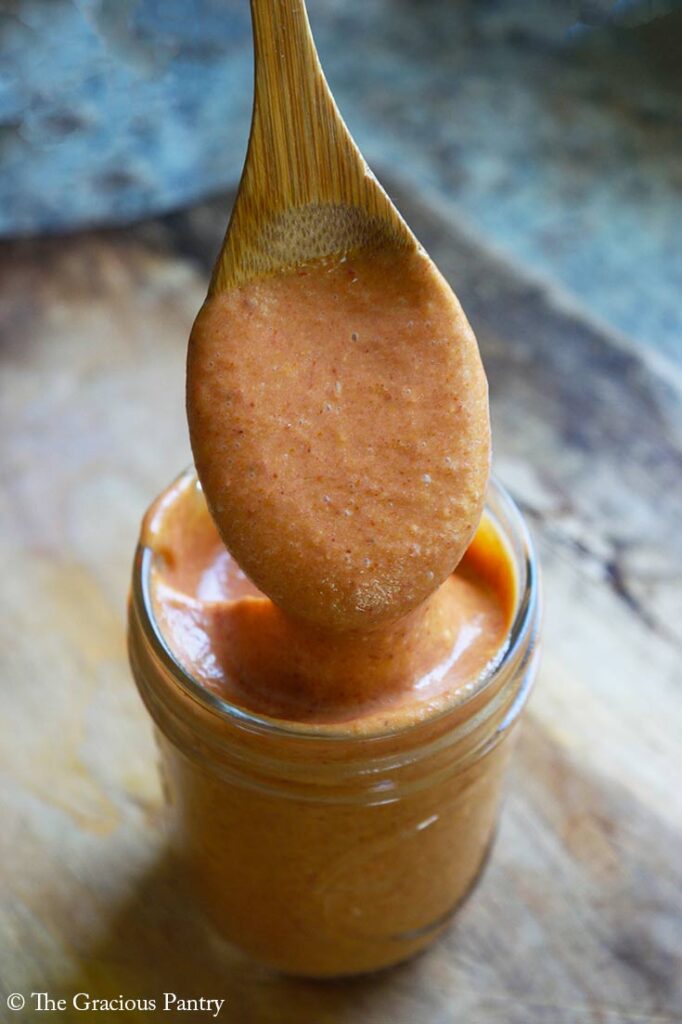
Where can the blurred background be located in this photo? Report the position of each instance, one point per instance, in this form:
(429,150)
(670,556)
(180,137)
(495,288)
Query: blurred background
(551,126)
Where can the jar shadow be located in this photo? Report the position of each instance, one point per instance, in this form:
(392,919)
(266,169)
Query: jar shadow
(158,942)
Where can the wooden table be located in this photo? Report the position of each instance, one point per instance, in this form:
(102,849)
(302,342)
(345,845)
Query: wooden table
(578,918)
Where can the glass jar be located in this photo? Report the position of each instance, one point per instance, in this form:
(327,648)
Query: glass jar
(324,853)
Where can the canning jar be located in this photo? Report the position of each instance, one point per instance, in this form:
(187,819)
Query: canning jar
(319,851)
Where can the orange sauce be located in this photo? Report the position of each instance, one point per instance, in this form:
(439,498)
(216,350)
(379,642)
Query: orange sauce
(239,644)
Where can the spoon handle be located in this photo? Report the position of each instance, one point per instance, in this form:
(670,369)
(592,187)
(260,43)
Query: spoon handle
(300,155)
(297,132)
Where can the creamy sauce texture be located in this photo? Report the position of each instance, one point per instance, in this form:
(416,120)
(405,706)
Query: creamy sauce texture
(338,416)
(235,641)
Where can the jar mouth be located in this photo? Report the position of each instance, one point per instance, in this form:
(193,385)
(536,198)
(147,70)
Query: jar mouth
(512,528)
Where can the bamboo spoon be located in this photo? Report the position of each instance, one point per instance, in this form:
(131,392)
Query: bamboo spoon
(305,191)
(347,501)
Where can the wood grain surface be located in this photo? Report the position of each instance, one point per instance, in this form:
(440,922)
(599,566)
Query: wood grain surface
(579,916)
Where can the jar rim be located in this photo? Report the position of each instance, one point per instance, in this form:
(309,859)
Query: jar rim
(515,533)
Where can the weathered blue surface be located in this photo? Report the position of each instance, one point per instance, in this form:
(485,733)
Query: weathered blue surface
(563,150)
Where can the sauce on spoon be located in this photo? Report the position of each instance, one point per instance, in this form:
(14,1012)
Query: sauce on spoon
(339,422)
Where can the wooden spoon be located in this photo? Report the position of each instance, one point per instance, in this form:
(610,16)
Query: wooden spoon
(305,191)
(336,401)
